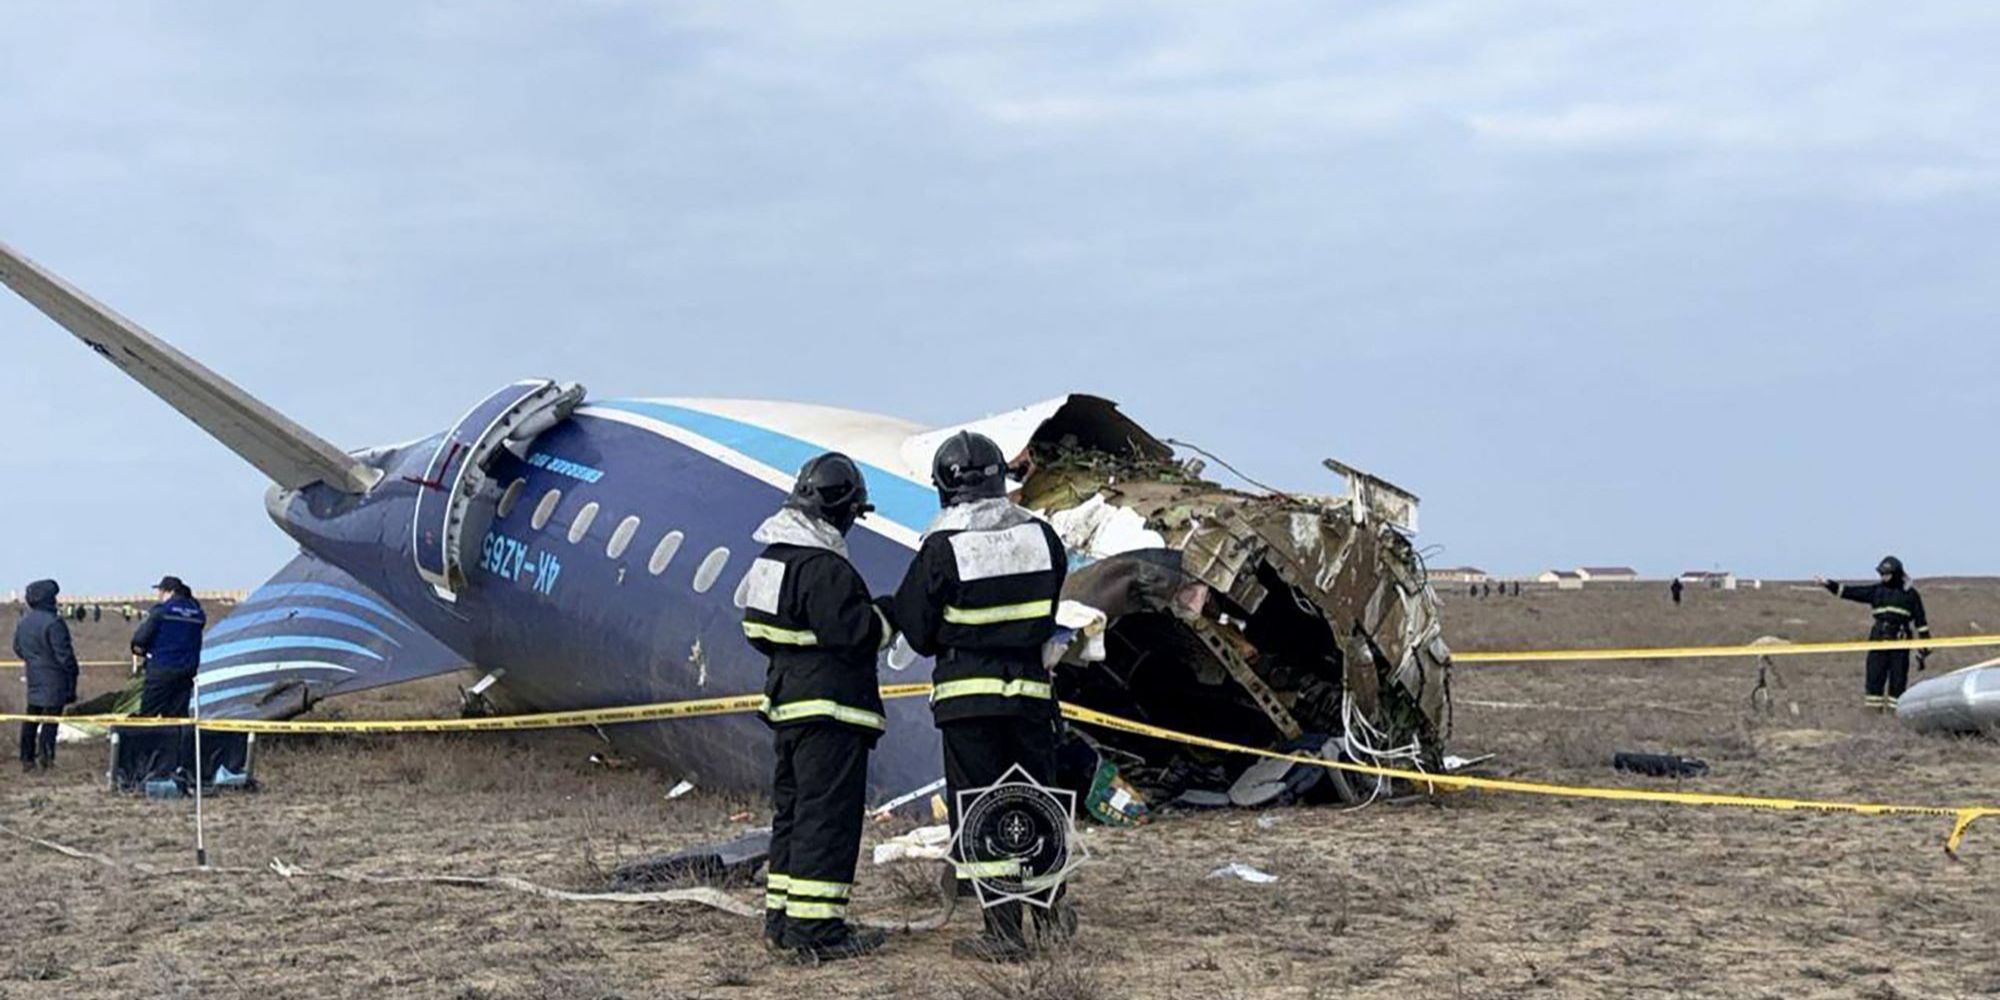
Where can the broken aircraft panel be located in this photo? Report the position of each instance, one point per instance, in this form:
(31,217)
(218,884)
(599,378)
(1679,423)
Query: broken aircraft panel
(1258,617)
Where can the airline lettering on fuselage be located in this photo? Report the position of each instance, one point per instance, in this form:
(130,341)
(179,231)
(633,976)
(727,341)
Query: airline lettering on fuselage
(565,467)
(510,558)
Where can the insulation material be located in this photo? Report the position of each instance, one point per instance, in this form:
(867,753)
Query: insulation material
(1095,529)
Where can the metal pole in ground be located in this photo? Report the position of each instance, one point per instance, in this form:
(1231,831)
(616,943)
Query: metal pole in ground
(200,844)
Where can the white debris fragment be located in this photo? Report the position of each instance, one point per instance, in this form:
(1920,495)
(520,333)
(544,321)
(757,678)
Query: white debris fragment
(924,842)
(902,655)
(681,789)
(1096,529)
(1079,635)
(1236,869)
(1454,763)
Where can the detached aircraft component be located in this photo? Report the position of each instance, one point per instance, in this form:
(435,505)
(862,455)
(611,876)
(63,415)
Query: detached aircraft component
(1966,700)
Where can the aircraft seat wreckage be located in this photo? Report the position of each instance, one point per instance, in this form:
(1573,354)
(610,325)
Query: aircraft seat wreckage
(1261,617)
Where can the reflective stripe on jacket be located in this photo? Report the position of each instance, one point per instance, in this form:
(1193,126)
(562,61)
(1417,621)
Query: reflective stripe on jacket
(982,601)
(807,609)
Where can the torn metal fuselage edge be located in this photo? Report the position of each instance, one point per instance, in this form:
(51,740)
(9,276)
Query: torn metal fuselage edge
(1271,619)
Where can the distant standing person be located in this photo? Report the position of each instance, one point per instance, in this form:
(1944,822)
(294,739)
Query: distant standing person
(48,658)
(1899,614)
(167,646)
(1675,589)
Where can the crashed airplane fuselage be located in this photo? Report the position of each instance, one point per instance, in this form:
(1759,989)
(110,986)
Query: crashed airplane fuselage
(589,553)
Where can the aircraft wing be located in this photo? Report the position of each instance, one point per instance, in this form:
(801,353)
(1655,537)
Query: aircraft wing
(281,449)
(309,633)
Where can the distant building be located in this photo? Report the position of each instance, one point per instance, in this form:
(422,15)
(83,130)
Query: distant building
(1564,579)
(1607,574)
(1714,579)
(1459,574)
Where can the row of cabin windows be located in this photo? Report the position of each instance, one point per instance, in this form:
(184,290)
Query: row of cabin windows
(705,574)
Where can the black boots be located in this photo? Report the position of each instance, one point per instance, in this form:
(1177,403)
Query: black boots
(1003,940)
(849,942)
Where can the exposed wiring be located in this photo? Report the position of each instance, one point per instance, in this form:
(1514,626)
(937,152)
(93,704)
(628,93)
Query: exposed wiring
(1211,456)
(1360,738)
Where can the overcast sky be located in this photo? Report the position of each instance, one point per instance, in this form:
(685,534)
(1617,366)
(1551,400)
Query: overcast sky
(1669,284)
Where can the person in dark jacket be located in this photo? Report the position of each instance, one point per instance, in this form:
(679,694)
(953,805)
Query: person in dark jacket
(167,646)
(807,608)
(1898,614)
(42,644)
(980,598)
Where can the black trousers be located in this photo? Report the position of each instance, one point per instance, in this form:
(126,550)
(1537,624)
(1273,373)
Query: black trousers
(166,693)
(820,789)
(1888,673)
(977,752)
(38,739)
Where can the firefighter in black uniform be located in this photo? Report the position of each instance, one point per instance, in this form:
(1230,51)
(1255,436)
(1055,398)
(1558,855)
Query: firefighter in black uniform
(807,608)
(980,598)
(1899,614)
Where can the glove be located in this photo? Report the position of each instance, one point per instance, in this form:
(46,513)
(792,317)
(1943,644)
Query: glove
(1923,659)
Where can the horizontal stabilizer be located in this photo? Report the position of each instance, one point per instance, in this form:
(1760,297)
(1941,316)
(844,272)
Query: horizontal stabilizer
(281,449)
(310,633)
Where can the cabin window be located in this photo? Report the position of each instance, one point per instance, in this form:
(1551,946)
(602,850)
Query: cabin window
(546,509)
(511,497)
(710,570)
(581,526)
(663,553)
(621,539)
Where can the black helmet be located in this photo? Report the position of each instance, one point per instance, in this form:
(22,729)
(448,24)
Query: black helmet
(1890,565)
(830,488)
(968,466)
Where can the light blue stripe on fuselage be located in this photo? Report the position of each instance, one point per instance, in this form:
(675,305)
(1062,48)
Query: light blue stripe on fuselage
(205,694)
(226,674)
(241,646)
(224,694)
(276,591)
(901,500)
(250,619)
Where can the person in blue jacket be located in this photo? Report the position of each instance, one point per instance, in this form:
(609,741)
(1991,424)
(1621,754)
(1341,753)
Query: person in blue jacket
(167,646)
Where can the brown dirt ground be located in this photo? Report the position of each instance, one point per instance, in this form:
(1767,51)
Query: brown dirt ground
(1470,896)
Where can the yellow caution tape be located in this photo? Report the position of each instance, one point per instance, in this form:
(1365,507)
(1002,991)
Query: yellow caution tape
(81,663)
(1962,816)
(622,715)
(1688,652)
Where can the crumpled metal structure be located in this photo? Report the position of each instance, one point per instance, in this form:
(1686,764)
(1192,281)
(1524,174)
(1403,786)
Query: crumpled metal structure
(1267,618)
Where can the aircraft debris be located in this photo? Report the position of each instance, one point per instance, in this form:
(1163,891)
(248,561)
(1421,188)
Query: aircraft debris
(681,788)
(1659,765)
(1966,700)
(1238,870)
(924,842)
(1264,618)
(728,864)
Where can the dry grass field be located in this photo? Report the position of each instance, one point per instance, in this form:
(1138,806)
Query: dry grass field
(1469,895)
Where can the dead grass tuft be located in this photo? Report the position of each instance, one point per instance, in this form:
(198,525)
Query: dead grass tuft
(1061,975)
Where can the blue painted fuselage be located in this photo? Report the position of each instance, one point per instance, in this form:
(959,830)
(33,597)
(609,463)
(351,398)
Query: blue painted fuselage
(609,572)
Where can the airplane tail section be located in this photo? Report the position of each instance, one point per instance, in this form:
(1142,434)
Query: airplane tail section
(310,633)
(281,449)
